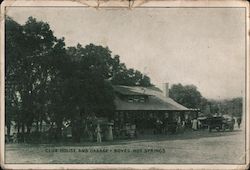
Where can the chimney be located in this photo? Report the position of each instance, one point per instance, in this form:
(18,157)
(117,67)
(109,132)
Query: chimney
(165,90)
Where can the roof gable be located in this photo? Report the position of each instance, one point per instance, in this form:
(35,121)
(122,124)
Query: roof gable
(131,90)
(156,99)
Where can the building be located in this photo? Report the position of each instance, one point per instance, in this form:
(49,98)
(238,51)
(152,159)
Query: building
(145,106)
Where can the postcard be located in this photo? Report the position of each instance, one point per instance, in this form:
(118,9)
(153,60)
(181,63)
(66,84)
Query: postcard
(97,84)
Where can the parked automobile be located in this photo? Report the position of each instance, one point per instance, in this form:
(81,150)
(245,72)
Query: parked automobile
(202,122)
(220,123)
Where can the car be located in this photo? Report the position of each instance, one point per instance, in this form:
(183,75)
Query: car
(203,122)
(220,123)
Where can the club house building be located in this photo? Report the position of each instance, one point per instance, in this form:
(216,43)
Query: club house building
(138,111)
(146,108)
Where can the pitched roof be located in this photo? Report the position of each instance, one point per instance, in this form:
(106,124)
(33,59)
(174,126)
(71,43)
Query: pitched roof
(130,90)
(156,99)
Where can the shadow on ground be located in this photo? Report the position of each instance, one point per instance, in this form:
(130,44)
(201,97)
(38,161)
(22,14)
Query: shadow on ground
(144,138)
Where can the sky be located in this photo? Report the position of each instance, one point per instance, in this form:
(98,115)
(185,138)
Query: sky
(200,46)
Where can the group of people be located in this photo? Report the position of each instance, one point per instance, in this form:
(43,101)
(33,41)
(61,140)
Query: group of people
(96,133)
(167,126)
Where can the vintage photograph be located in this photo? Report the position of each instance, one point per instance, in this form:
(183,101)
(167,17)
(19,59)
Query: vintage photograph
(119,85)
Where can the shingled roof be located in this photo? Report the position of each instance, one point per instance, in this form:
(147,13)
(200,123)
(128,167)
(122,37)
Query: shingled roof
(156,99)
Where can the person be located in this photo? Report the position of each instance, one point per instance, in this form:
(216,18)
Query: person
(98,134)
(109,133)
(174,127)
(239,122)
(183,126)
(15,138)
(195,124)
(233,121)
(199,124)
(158,126)
(165,124)
(179,128)
(91,131)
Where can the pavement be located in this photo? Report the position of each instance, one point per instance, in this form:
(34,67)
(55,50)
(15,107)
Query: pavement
(191,147)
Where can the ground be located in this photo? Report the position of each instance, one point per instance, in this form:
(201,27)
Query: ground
(189,147)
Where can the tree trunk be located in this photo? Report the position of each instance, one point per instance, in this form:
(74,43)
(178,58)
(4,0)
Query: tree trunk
(22,136)
(37,126)
(28,129)
(18,127)
(8,130)
(41,125)
(58,130)
(76,132)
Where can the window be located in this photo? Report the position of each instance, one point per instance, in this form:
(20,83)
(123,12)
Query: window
(142,100)
(136,99)
(166,114)
(130,99)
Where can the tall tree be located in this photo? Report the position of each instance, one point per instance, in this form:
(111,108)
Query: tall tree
(187,95)
(129,77)
(32,52)
(88,89)
(46,81)
(13,50)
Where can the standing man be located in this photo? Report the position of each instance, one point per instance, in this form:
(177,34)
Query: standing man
(98,134)
(239,122)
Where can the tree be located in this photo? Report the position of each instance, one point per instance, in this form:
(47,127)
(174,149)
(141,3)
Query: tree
(128,77)
(13,50)
(187,95)
(32,52)
(88,90)
(233,107)
(47,82)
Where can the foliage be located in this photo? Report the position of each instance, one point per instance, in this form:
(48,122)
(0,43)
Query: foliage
(233,107)
(14,41)
(45,81)
(29,49)
(129,77)
(187,95)
(190,97)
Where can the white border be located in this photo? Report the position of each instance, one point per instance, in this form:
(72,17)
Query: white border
(126,4)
